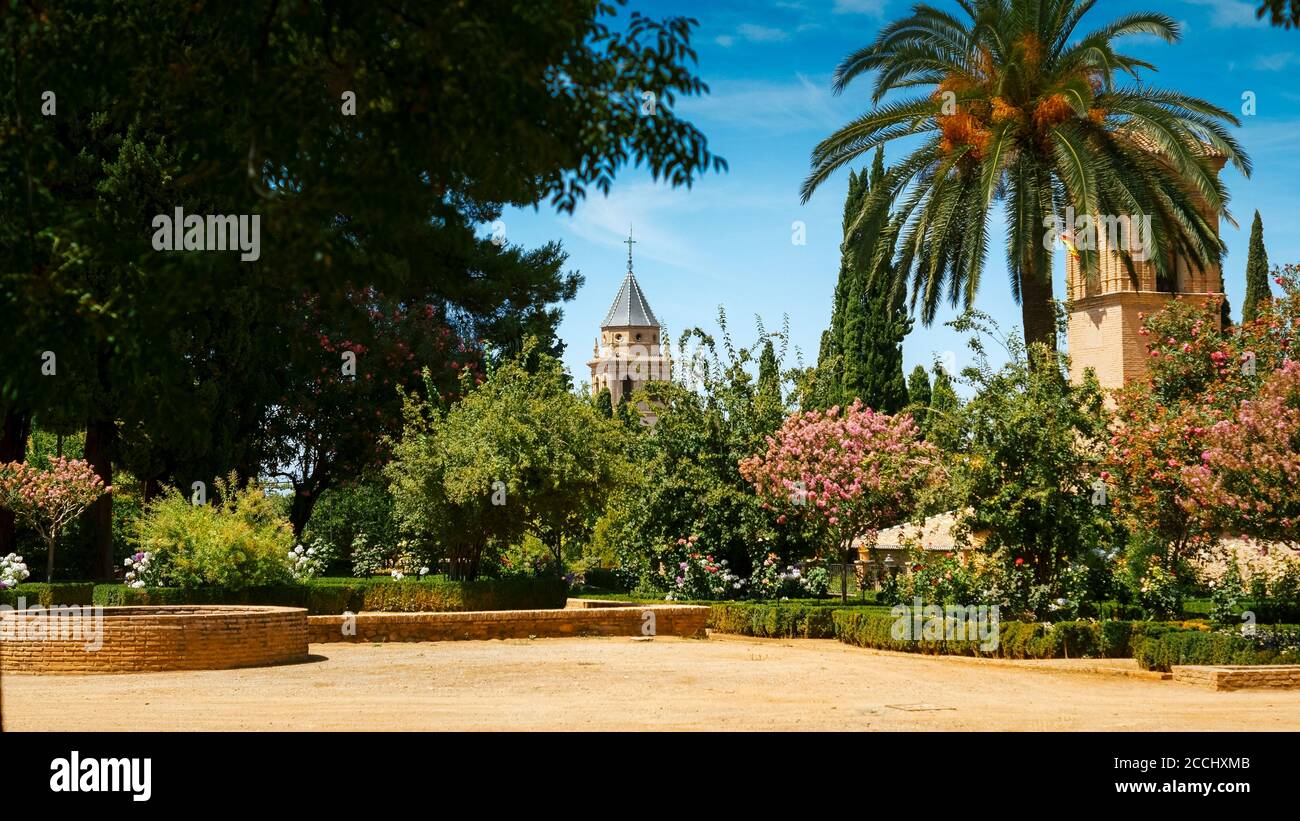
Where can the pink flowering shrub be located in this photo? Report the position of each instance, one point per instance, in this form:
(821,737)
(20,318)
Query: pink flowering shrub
(1250,468)
(47,500)
(845,473)
(1202,404)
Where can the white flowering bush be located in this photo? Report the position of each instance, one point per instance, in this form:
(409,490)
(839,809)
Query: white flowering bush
(369,558)
(305,563)
(12,571)
(409,564)
(140,570)
(771,581)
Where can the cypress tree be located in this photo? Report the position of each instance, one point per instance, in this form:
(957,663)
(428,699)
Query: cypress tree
(918,391)
(918,386)
(1257,288)
(862,351)
(828,387)
(769,404)
(943,401)
(605,403)
(769,375)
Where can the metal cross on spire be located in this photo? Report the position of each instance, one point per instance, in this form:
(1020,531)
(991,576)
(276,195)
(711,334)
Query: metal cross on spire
(629,242)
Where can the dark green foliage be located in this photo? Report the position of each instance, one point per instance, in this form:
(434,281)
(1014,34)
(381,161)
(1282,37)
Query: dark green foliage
(689,478)
(184,366)
(788,621)
(768,396)
(862,353)
(1276,644)
(1284,13)
(331,597)
(520,454)
(918,389)
(600,578)
(1016,640)
(344,512)
(33,593)
(1028,447)
(605,404)
(1257,287)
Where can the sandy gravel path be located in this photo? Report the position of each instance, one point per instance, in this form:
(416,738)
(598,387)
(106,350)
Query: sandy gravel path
(725,683)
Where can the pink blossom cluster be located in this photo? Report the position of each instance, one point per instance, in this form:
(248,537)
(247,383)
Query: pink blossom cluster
(49,499)
(851,471)
(1249,471)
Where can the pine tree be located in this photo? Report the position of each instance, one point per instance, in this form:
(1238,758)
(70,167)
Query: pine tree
(1257,288)
(861,354)
(605,403)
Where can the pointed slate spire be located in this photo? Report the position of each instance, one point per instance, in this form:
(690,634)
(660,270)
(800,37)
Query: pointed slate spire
(630,307)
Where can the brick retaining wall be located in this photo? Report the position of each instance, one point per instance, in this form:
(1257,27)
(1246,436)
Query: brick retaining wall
(144,639)
(669,620)
(1240,677)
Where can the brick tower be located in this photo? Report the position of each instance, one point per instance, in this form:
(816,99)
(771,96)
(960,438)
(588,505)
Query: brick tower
(627,354)
(1105,314)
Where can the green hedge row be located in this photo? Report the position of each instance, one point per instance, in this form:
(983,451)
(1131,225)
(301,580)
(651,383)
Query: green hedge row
(332,597)
(786,621)
(1016,640)
(325,597)
(46,595)
(1276,644)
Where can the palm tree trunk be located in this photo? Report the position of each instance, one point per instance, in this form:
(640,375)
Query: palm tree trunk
(1037,310)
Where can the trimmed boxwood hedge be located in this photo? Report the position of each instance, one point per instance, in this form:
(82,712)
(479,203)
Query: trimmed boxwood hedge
(788,621)
(332,597)
(1016,640)
(46,595)
(49,594)
(1164,650)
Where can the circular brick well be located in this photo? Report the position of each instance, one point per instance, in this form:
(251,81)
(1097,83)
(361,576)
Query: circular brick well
(144,639)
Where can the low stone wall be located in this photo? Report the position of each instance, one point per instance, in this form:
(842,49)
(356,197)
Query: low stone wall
(1240,677)
(688,621)
(588,604)
(71,640)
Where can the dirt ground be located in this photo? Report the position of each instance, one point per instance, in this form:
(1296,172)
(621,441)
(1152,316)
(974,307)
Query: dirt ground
(724,683)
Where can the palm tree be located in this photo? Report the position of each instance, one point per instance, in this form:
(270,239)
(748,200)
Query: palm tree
(1020,109)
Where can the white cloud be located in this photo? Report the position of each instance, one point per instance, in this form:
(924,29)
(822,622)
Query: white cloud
(804,104)
(1231,13)
(873,7)
(650,210)
(761,34)
(725,40)
(1276,62)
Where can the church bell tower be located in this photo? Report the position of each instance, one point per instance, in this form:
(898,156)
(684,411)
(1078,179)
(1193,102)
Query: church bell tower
(627,354)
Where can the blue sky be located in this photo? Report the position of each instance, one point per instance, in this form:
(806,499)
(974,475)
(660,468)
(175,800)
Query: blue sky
(727,240)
